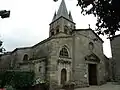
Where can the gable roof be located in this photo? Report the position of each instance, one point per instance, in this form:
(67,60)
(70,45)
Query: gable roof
(21,48)
(89,30)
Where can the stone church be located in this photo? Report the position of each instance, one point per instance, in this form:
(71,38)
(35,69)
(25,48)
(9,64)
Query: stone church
(68,54)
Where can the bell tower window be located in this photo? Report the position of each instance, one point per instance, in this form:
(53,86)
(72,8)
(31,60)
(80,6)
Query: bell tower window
(65,29)
(52,33)
(57,30)
(62,21)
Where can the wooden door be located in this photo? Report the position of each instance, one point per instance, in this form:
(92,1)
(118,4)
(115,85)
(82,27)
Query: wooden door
(92,74)
(63,76)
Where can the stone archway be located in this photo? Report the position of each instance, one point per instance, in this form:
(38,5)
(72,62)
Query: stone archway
(63,76)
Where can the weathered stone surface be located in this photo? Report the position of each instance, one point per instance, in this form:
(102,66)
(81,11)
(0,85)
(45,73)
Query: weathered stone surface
(45,60)
(115,46)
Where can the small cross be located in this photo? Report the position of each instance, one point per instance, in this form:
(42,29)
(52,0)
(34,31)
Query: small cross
(89,26)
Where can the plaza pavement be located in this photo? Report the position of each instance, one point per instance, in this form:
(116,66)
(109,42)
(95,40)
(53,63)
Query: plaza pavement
(107,86)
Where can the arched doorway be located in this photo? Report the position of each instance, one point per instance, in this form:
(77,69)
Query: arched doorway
(63,76)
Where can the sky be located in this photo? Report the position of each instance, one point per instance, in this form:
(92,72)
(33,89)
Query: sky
(29,22)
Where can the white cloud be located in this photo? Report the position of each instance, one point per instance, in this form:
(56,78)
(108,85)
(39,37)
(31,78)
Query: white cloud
(29,21)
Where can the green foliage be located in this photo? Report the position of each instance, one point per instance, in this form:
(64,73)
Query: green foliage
(107,13)
(108,18)
(2,81)
(16,79)
(22,79)
(9,88)
(1,43)
(0,46)
(55,0)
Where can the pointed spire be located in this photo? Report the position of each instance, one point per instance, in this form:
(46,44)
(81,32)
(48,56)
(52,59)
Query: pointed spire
(54,17)
(70,16)
(62,11)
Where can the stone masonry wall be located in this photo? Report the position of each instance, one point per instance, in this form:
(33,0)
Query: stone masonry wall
(115,46)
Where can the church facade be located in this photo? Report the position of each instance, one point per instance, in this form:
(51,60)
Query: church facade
(68,54)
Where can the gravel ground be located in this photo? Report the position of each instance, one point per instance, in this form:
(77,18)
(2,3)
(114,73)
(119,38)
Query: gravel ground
(108,86)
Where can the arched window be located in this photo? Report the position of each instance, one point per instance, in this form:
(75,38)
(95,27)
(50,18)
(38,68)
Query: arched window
(25,58)
(64,52)
(65,29)
(52,33)
(91,46)
(57,29)
(40,68)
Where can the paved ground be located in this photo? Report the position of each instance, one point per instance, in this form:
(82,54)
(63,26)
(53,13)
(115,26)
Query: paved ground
(108,86)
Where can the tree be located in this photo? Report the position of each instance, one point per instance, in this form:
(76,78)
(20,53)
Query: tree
(0,45)
(3,14)
(107,13)
(16,79)
(1,48)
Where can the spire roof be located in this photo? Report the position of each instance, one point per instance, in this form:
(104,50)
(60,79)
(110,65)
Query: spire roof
(62,11)
(54,17)
(70,16)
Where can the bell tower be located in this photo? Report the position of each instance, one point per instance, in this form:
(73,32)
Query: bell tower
(62,22)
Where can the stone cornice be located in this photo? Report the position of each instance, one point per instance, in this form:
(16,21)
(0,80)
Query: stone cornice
(64,61)
(92,57)
(33,61)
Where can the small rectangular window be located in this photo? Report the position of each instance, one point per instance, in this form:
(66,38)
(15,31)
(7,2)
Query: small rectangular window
(40,69)
(57,30)
(52,33)
(65,31)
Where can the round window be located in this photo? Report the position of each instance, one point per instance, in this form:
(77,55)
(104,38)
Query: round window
(91,46)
